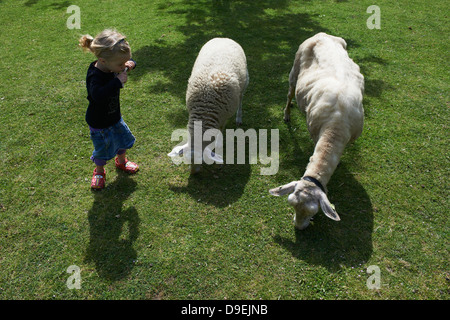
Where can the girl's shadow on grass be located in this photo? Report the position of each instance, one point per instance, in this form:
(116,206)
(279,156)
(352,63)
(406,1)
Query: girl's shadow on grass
(113,229)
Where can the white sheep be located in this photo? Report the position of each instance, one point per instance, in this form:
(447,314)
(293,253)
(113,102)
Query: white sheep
(329,88)
(215,91)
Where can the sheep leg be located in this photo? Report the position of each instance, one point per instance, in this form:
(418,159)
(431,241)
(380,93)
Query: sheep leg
(287,110)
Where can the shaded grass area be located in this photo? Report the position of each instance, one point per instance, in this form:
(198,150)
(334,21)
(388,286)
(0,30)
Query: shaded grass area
(162,234)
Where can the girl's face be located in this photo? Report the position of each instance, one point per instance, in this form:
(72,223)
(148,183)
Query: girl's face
(116,64)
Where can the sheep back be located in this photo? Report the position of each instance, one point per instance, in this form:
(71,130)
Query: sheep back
(217,83)
(329,86)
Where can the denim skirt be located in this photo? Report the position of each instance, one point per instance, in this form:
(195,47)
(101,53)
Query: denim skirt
(108,141)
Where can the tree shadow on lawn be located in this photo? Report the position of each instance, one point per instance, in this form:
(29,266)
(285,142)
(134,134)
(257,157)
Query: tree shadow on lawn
(267,31)
(113,230)
(269,34)
(325,242)
(56,5)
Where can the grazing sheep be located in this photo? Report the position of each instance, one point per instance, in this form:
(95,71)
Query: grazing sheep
(329,88)
(214,94)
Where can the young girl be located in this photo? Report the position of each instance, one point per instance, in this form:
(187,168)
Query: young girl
(105,77)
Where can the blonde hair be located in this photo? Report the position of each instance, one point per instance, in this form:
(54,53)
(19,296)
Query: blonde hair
(106,44)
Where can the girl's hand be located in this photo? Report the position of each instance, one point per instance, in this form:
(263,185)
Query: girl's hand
(123,77)
(130,64)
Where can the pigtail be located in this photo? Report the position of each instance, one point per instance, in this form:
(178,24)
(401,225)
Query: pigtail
(86,42)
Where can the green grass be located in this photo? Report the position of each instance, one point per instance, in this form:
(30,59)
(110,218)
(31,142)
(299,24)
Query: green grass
(161,234)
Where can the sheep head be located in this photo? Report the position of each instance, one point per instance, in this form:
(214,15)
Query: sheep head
(306,196)
(194,157)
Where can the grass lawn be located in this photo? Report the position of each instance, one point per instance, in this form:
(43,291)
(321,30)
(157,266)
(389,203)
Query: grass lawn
(162,234)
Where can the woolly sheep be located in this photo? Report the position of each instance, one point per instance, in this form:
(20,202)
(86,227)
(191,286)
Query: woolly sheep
(329,88)
(215,90)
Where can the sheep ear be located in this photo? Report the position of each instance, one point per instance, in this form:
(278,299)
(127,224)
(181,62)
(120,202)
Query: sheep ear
(177,151)
(283,190)
(327,207)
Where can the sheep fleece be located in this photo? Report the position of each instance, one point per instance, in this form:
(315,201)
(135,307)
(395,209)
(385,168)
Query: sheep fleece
(329,86)
(217,83)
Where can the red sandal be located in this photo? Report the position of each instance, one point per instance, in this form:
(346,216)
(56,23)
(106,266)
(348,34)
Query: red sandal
(128,166)
(98,180)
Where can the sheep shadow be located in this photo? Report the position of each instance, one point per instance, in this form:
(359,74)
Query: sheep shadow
(334,244)
(217,185)
(326,242)
(113,229)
